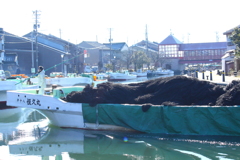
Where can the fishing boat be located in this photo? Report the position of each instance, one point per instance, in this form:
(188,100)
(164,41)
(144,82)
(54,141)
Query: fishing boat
(164,119)
(161,71)
(121,76)
(139,73)
(57,78)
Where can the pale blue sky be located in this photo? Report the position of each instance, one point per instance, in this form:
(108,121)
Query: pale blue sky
(88,20)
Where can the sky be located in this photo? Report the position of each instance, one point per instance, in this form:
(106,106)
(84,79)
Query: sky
(190,21)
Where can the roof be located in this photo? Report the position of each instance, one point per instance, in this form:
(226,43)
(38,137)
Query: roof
(151,45)
(203,46)
(115,46)
(170,40)
(92,45)
(230,30)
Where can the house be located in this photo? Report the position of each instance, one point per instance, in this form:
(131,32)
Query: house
(65,56)
(54,54)
(229,60)
(116,49)
(116,54)
(96,54)
(178,54)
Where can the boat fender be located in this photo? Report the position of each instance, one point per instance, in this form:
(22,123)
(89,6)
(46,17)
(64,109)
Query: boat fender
(145,107)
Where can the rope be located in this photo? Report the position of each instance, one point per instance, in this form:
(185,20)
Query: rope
(21,81)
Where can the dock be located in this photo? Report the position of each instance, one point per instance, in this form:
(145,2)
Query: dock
(218,79)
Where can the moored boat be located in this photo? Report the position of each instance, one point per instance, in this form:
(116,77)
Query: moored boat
(140,73)
(169,118)
(121,76)
(161,71)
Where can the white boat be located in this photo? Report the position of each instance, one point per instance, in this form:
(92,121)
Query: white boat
(11,84)
(140,73)
(65,81)
(17,84)
(161,71)
(121,76)
(177,119)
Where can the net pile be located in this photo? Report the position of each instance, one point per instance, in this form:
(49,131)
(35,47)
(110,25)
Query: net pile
(175,90)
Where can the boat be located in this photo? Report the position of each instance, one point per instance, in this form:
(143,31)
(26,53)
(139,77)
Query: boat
(169,118)
(161,71)
(57,78)
(139,73)
(121,76)
(12,84)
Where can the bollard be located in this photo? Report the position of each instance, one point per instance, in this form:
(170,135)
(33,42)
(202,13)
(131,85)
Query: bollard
(210,75)
(207,77)
(196,74)
(223,76)
(203,74)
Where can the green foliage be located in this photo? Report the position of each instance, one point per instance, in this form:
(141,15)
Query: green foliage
(126,58)
(235,38)
(109,66)
(139,58)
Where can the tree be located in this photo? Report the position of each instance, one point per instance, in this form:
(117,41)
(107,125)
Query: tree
(139,58)
(235,38)
(126,59)
(158,60)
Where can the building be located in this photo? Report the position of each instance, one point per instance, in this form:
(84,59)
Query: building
(66,57)
(96,54)
(178,55)
(229,61)
(28,54)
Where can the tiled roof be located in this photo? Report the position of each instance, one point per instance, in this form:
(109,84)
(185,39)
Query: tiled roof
(203,46)
(115,46)
(92,45)
(151,45)
(170,40)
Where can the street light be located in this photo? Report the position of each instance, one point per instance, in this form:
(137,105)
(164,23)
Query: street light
(62,55)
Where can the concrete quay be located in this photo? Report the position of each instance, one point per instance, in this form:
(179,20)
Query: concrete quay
(215,77)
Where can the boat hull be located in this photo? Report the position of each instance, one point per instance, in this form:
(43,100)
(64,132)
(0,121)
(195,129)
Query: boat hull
(182,120)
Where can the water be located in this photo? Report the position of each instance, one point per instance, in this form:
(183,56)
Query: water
(35,139)
(26,135)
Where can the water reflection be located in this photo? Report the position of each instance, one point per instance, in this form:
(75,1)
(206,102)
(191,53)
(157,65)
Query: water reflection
(42,141)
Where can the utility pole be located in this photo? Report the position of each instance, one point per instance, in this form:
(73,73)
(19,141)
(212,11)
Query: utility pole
(111,57)
(35,27)
(146,41)
(60,33)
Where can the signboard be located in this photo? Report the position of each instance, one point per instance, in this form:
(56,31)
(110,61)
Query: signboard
(32,70)
(85,53)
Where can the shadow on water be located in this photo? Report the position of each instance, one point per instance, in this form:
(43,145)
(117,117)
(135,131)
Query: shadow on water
(39,139)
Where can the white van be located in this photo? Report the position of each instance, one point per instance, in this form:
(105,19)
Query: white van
(87,69)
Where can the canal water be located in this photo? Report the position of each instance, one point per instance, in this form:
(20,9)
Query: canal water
(25,134)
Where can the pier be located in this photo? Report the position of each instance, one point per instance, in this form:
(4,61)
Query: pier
(212,76)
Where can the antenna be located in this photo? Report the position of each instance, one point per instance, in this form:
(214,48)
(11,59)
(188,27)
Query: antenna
(60,33)
(217,37)
(188,37)
(182,38)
